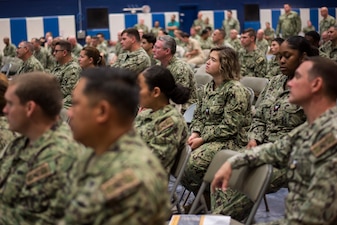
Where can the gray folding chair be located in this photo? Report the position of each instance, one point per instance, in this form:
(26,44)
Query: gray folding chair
(255,83)
(177,172)
(188,115)
(252,182)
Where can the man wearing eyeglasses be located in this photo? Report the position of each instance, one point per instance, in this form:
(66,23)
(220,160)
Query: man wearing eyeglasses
(25,52)
(66,71)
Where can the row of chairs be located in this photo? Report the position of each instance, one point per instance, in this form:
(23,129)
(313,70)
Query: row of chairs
(251,182)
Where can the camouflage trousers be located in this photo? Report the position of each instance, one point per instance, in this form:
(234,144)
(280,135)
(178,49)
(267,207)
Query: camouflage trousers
(237,205)
(199,162)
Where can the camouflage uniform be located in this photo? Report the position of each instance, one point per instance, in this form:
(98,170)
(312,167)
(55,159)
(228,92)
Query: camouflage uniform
(136,61)
(222,118)
(269,34)
(262,45)
(77,50)
(183,75)
(164,131)
(30,65)
(67,75)
(200,23)
(325,24)
(236,44)
(206,44)
(253,64)
(51,63)
(124,185)
(10,50)
(309,152)
(273,67)
(142,27)
(328,50)
(32,176)
(275,117)
(229,24)
(6,136)
(155,30)
(289,25)
(42,56)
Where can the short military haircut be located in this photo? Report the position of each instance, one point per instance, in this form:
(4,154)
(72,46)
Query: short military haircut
(251,32)
(222,32)
(41,88)
(115,85)
(132,32)
(326,69)
(28,45)
(169,42)
(65,45)
(150,38)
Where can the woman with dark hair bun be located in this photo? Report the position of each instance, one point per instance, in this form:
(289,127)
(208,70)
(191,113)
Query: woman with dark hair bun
(90,57)
(161,125)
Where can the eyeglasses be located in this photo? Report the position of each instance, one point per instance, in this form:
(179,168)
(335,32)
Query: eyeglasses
(58,50)
(19,47)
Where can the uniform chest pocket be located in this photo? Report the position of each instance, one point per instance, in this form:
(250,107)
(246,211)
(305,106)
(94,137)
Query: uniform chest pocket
(216,111)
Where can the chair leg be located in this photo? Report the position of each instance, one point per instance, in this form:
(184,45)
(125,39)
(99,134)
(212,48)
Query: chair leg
(266,203)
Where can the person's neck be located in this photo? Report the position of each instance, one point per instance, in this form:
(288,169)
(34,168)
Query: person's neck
(38,128)
(218,80)
(135,47)
(160,104)
(251,48)
(165,62)
(104,139)
(65,60)
(316,107)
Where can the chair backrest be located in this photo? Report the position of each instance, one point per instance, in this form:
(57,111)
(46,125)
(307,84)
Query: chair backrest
(252,182)
(255,83)
(188,115)
(179,167)
(201,77)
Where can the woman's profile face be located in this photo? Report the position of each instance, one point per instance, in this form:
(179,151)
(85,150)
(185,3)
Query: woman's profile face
(213,63)
(84,60)
(274,47)
(290,59)
(145,95)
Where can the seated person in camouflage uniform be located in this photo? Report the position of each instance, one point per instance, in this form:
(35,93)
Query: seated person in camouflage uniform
(121,181)
(6,135)
(222,115)
(25,52)
(309,152)
(161,125)
(275,117)
(35,166)
(90,57)
(136,59)
(273,66)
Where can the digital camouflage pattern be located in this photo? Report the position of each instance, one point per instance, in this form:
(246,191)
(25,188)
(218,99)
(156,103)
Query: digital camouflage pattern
(33,175)
(67,75)
(288,25)
(206,44)
(229,24)
(309,152)
(253,64)
(30,65)
(275,117)
(42,55)
(164,131)
(222,118)
(124,185)
(184,75)
(269,34)
(273,67)
(136,61)
(328,50)
(263,45)
(236,44)
(326,23)
(307,29)
(143,27)
(9,50)
(6,135)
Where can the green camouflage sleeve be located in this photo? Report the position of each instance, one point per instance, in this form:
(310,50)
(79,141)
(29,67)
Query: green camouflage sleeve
(278,27)
(70,78)
(298,24)
(271,153)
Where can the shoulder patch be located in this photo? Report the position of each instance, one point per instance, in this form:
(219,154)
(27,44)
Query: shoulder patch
(120,185)
(324,144)
(165,124)
(38,173)
(259,60)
